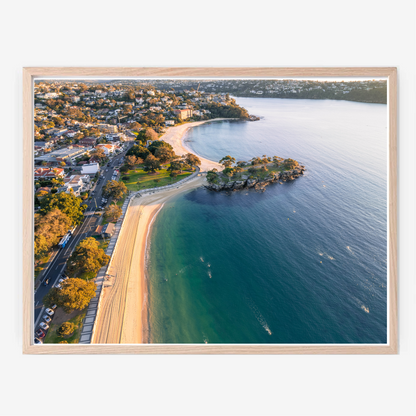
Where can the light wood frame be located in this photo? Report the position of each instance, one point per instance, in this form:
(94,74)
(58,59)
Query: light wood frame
(30,74)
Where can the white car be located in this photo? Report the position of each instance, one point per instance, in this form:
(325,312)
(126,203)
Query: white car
(44,326)
(38,341)
(47,318)
(50,312)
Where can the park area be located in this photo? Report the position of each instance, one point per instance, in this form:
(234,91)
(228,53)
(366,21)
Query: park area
(138,179)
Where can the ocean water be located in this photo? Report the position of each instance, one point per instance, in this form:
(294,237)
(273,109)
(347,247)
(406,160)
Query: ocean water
(302,262)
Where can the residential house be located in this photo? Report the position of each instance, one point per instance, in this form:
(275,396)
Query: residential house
(108,230)
(183,114)
(107,128)
(108,148)
(49,173)
(90,141)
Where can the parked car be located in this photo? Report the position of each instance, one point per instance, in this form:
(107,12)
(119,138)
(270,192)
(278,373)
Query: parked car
(50,312)
(44,326)
(39,333)
(38,341)
(53,307)
(47,318)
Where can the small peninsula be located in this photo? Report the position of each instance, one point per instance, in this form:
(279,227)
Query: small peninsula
(256,173)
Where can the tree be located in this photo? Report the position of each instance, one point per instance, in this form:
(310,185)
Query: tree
(227,161)
(277,160)
(99,154)
(158,143)
(131,161)
(151,163)
(113,212)
(192,160)
(290,164)
(63,164)
(75,294)
(68,204)
(139,151)
(41,246)
(87,257)
(212,175)
(135,126)
(150,134)
(67,328)
(115,189)
(164,154)
(159,119)
(176,165)
(229,172)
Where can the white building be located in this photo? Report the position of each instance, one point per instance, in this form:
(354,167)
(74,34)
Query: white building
(90,168)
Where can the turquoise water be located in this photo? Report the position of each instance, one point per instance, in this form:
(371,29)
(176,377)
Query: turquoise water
(303,262)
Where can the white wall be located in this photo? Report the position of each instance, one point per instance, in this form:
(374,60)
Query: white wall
(218,33)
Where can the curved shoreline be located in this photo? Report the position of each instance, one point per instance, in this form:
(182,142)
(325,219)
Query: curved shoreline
(123,318)
(175,135)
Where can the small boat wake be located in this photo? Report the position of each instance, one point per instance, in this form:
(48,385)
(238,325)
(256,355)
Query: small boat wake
(259,316)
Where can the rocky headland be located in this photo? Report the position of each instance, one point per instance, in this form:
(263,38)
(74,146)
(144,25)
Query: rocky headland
(257,174)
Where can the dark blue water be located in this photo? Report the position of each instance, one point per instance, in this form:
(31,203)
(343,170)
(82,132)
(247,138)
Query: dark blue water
(303,262)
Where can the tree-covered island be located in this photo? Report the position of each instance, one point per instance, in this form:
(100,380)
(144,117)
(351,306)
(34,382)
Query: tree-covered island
(257,172)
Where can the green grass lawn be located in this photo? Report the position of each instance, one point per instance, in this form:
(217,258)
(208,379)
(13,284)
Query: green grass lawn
(121,201)
(53,338)
(139,179)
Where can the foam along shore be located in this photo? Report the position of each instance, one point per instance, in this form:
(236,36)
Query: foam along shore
(122,318)
(174,136)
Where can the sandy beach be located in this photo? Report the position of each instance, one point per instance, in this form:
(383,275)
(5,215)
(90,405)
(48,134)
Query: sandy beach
(174,136)
(122,315)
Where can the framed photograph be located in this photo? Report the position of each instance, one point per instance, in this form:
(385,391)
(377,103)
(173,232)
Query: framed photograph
(210,211)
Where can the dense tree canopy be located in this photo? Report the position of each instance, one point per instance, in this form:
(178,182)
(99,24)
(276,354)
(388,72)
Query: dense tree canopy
(164,154)
(158,143)
(48,230)
(99,154)
(75,294)
(87,257)
(151,163)
(290,163)
(192,160)
(138,151)
(227,161)
(227,111)
(113,212)
(131,161)
(68,204)
(67,328)
(115,189)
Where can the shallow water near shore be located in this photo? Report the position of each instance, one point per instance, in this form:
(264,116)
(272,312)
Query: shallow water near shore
(302,262)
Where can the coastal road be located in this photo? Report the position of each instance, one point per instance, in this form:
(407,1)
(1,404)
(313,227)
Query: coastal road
(82,231)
